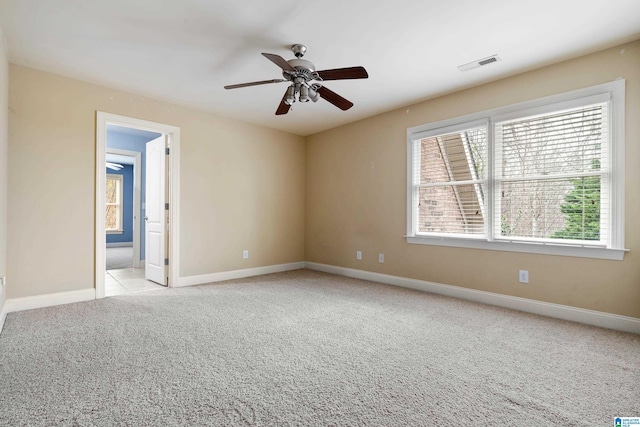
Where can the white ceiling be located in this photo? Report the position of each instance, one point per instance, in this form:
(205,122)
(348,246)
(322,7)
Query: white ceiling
(139,133)
(185,51)
(120,159)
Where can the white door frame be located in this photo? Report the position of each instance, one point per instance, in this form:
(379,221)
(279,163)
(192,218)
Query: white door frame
(173,234)
(137,182)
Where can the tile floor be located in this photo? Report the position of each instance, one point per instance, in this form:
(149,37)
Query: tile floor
(127,280)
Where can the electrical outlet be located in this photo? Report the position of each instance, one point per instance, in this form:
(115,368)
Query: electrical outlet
(245,254)
(523,276)
(358,254)
(380,258)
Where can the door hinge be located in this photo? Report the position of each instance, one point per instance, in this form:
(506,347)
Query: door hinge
(167,151)
(166,206)
(166,261)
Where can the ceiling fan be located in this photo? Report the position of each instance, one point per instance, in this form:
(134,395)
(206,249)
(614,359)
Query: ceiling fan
(114,166)
(301,73)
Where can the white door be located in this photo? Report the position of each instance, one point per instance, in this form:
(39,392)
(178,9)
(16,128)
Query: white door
(154,211)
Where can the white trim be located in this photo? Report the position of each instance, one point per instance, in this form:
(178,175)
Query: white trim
(430,131)
(580,315)
(48,300)
(174,211)
(521,246)
(615,85)
(617,170)
(3,315)
(102,119)
(572,100)
(574,314)
(137,189)
(238,274)
(120,245)
(101,185)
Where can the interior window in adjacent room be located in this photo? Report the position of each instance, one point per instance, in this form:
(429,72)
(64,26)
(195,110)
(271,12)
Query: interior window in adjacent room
(113,203)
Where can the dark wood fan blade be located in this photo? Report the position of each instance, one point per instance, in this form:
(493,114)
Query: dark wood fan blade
(262,82)
(283,108)
(279,61)
(344,73)
(334,98)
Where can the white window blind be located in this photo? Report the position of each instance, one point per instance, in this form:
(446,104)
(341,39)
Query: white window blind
(451,182)
(552,177)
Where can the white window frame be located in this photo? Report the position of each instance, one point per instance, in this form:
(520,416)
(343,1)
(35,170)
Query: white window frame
(614,92)
(120,179)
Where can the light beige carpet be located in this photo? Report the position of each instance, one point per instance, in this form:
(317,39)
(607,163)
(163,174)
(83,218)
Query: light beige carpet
(307,348)
(119,257)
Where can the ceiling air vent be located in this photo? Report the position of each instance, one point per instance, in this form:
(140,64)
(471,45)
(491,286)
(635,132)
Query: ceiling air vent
(479,63)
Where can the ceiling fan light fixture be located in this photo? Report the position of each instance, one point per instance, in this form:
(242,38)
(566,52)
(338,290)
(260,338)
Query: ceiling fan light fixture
(290,98)
(304,94)
(313,95)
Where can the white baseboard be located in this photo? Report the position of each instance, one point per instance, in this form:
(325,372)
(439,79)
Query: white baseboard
(120,244)
(3,314)
(590,317)
(48,300)
(238,274)
(580,315)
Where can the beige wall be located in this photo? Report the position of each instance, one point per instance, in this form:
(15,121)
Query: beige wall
(356,196)
(4,102)
(242,186)
(248,187)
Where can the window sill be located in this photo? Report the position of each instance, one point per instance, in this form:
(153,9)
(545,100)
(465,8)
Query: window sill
(115,231)
(533,248)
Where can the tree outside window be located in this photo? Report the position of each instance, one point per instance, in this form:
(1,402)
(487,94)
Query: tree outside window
(113,203)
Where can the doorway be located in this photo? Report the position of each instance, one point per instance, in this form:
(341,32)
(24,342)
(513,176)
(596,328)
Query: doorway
(114,147)
(125,175)
(125,232)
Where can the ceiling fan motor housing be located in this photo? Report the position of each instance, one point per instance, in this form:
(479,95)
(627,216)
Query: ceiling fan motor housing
(304,69)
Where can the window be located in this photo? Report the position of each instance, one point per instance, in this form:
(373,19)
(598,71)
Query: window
(545,176)
(114,204)
(451,172)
